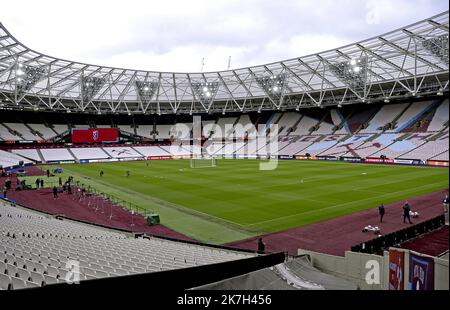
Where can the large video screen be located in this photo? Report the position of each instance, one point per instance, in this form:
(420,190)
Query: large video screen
(95,135)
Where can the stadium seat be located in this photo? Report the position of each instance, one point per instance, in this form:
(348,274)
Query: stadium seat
(37,277)
(5,281)
(23,274)
(50,280)
(11,270)
(18,283)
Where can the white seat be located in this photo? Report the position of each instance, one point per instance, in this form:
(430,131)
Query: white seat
(88,271)
(11,269)
(52,271)
(121,272)
(101,274)
(54,263)
(126,267)
(38,267)
(37,277)
(138,269)
(95,266)
(2,267)
(10,259)
(5,281)
(18,283)
(49,279)
(23,274)
(20,263)
(32,284)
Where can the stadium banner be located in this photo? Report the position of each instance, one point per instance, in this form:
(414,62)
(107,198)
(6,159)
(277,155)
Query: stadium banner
(379,160)
(396,269)
(285,157)
(84,161)
(421,272)
(325,157)
(301,157)
(103,160)
(95,135)
(161,157)
(352,159)
(403,161)
(62,162)
(437,163)
(130,158)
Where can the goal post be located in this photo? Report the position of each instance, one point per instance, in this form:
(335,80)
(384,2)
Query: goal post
(203,162)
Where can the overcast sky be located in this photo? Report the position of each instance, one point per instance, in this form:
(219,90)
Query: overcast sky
(174,35)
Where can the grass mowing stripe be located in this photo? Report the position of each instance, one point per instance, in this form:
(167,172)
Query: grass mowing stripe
(165,204)
(345,204)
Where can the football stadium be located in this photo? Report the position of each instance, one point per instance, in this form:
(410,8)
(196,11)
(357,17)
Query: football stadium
(323,172)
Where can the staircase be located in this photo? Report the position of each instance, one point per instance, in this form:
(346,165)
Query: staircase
(320,138)
(437,136)
(40,155)
(394,121)
(373,137)
(345,138)
(73,155)
(294,126)
(403,137)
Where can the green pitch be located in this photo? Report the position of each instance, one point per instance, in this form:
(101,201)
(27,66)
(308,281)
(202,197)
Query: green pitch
(236,200)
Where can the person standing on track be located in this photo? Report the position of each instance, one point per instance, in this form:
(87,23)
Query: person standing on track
(55,192)
(445,204)
(5,191)
(261,246)
(381,211)
(406,210)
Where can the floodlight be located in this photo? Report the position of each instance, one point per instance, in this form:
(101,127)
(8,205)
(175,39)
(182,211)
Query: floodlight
(357,69)
(353,62)
(205,89)
(20,72)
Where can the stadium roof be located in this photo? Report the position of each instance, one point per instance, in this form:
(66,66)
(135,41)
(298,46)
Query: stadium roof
(410,61)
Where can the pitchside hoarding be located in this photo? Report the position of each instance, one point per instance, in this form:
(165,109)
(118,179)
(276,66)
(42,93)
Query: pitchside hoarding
(95,135)
(396,270)
(437,163)
(421,272)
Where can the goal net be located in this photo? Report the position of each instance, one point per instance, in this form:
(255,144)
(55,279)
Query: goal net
(203,162)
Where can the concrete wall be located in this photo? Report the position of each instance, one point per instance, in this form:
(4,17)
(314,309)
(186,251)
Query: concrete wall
(353,267)
(440,274)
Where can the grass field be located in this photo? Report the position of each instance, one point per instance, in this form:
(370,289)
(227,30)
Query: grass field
(236,200)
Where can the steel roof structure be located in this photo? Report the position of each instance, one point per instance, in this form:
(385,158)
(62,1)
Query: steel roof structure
(410,61)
